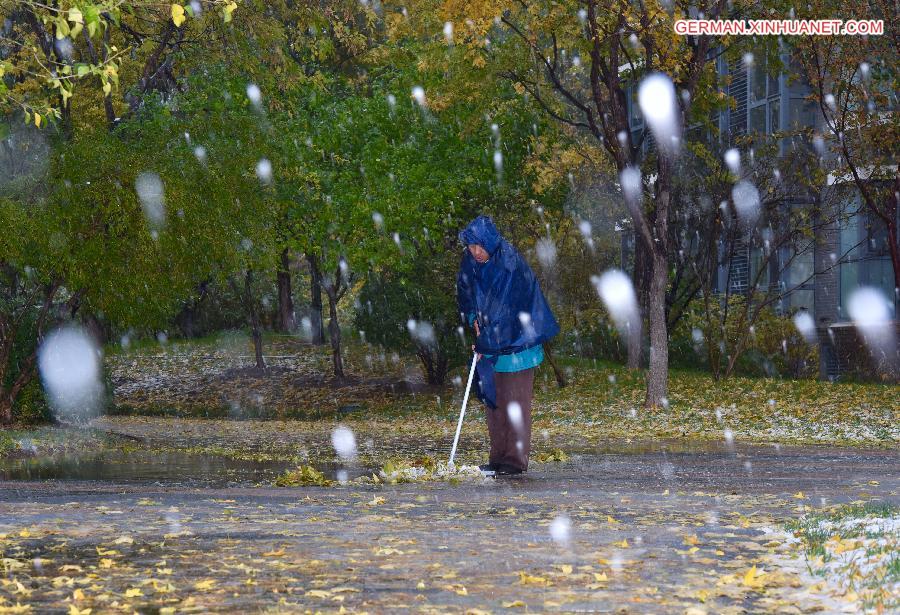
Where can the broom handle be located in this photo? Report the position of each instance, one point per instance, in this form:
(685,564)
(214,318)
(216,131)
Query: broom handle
(462,412)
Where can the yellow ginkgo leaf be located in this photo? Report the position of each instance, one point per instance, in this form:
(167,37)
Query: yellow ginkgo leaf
(74,610)
(513,604)
(228,10)
(178,15)
(527,579)
(799,495)
(753,578)
(133,592)
(207,584)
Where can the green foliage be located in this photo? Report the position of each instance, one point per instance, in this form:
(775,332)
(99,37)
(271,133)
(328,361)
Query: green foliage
(595,336)
(725,343)
(31,405)
(63,48)
(422,293)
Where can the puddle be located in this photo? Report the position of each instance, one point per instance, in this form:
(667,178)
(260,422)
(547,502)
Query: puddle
(155,467)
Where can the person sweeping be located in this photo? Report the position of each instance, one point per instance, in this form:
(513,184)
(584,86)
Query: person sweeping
(499,297)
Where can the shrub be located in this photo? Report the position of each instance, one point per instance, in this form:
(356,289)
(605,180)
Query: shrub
(414,311)
(727,344)
(596,337)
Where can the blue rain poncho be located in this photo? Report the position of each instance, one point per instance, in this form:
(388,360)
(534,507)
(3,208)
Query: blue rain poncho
(506,299)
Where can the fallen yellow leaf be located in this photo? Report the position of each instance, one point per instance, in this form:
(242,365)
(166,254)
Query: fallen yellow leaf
(753,578)
(318,593)
(527,579)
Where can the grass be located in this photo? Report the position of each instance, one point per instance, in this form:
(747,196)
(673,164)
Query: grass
(603,399)
(25,441)
(855,549)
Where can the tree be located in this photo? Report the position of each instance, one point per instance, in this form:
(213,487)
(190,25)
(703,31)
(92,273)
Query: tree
(77,238)
(854,81)
(568,58)
(50,50)
(746,258)
(410,309)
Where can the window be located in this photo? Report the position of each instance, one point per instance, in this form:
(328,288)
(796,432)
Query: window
(758,81)
(636,119)
(876,236)
(758,119)
(774,115)
(866,260)
(764,104)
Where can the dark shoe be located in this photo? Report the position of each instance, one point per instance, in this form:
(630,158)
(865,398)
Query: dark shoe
(488,470)
(508,470)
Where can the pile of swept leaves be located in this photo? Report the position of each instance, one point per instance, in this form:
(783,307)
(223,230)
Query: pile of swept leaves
(425,469)
(394,471)
(855,552)
(303,476)
(398,470)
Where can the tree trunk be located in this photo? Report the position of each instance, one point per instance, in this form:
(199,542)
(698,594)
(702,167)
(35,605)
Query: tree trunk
(318,330)
(643,265)
(634,344)
(334,333)
(5,409)
(658,375)
(286,322)
(895,253)
(255,329)
(560,376)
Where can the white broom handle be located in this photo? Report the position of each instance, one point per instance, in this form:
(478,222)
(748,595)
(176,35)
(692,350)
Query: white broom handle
(462,412)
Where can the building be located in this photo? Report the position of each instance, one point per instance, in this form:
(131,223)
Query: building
(849,251)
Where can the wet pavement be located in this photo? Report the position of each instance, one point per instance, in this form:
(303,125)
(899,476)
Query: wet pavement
(620,527)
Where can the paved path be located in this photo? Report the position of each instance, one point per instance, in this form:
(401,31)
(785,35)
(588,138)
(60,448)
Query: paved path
(653,529)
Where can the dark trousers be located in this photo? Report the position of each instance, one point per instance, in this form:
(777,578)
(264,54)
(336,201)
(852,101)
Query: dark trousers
(511,440)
